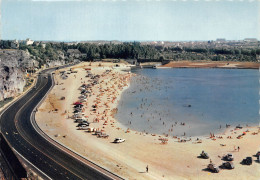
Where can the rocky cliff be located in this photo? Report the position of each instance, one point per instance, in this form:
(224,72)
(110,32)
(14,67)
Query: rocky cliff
(12,76)
(13,67)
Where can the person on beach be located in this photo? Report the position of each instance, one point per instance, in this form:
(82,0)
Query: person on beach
(238,148)
(147,169)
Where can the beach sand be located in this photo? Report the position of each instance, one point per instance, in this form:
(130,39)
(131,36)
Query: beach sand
(212,64)
(173,160)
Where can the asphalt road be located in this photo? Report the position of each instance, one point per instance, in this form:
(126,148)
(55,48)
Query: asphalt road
(51,159)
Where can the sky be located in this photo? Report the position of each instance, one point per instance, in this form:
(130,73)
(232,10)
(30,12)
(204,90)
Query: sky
(130,20)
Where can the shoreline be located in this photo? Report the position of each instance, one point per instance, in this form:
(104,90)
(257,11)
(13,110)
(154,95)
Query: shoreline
(130,158)
(190,129)
(219,132)
(212,64)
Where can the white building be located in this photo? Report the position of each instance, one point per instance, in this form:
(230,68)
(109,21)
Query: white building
(43,45)
(29,41)
(15,44)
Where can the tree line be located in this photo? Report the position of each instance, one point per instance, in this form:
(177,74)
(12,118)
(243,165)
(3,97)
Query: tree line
(134,50)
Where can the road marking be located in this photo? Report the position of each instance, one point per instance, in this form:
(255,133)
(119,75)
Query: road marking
(86,162)
(61,146)
(18,129)
(31,164)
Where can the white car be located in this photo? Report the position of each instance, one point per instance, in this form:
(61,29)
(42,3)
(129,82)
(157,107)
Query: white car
(119,140)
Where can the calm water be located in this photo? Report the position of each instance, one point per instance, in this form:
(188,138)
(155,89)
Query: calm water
(159,100)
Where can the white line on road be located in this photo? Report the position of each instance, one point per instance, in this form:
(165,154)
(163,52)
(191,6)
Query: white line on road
(32,164)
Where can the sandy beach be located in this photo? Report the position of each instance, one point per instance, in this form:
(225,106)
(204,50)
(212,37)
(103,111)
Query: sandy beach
(166,157)
(212,64)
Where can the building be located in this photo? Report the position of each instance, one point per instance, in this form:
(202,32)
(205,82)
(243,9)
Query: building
(221,40)
(250,40)
(15,44)
(29,41)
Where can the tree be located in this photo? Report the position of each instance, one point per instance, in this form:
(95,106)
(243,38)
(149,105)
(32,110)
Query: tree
(161,58)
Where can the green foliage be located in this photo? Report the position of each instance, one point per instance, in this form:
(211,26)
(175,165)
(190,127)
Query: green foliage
(5,101)
(5,44)
(135,50)
(161,58)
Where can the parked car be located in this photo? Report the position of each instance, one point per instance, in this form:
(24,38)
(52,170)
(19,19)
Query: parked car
(257,154)
(90,129)
(228,157)
(258,158)
(204,155)
(247,161)
(213,168)
(82,125)
(119,140)
(228,165)
(83,128)
(81,121)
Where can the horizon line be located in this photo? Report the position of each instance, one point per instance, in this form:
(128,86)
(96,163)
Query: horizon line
(132,40)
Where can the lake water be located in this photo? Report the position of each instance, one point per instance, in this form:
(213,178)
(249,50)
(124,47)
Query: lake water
(159,100)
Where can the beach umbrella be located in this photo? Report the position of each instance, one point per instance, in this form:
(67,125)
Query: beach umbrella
(77,103)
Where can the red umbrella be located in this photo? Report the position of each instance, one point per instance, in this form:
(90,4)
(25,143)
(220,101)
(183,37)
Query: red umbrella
(77,103)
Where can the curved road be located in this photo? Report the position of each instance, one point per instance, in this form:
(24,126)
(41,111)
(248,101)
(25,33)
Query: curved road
(50,159)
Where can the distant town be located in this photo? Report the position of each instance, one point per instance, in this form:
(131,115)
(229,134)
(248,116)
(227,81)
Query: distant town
(220,42)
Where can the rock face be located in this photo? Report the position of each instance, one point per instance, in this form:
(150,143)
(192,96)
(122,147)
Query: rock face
(13,66)
(55,63)
(12,78)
